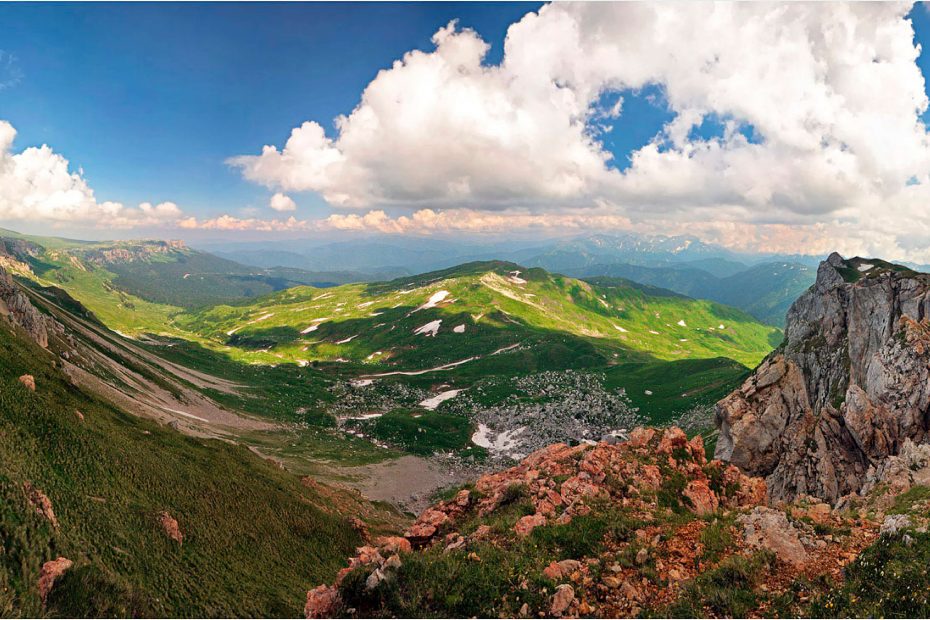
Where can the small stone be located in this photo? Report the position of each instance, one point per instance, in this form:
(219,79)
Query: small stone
(562,599)
(321,602)
(52,570)
(170,525)
(641,556)
(29,381)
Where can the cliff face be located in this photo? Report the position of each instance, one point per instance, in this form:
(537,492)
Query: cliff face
(16,307)
(845,389)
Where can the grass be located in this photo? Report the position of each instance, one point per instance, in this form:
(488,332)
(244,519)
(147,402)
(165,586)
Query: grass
(255,538)
(486,579)
(725,591)
(887,580)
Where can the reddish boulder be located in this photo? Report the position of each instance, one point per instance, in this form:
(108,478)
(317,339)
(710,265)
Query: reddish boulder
(321,602)
(52,570)
(672,439)
(41,503)
(393,544)
(702,498)
(29,381)
(528,523)
(170,525)
(562,599)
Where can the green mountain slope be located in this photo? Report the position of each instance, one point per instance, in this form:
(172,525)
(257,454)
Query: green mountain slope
(254,536)
(765,291)
(475,310)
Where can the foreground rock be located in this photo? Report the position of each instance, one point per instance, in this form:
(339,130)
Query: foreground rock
(51,571)
(673,501)
(41,503)
(171,528)
(849,387)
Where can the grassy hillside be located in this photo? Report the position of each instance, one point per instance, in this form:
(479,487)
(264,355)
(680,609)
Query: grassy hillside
(765,291)
(254,536)
(474,310)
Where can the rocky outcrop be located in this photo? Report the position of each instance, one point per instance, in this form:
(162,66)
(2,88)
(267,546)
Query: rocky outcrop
(848,387)
(16,308)
(41,503)
(51,571)
(171,528)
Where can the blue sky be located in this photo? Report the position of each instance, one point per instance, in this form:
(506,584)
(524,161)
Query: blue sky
(151,99)
(783,128)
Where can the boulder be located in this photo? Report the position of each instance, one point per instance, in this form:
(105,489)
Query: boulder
(29,381)
(41,503)
(322,602)
(562,599)
(703,500)
(767,528)
(52,570)
(171,528)
(528,523)
(894,524)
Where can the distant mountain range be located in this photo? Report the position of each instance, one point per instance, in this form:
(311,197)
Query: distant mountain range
(763,285)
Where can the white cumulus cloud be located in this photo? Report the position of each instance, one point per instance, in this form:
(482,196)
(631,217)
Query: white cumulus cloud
(282,202)
(831,91)
(36,184)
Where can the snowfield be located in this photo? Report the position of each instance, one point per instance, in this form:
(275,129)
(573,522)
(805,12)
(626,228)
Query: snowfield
(438,399)
(430,329)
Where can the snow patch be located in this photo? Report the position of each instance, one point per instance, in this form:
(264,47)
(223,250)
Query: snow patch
(620,329)
(865,266)
(515,278)
(346,340)
(434,401)
(459,329)
(430,329)
(314,324)
(502,443)
(681,322)
(433,301)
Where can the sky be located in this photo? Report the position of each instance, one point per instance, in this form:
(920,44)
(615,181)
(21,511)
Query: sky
(795,128)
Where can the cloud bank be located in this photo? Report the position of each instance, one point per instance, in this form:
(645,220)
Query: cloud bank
(820,105)
(37,185)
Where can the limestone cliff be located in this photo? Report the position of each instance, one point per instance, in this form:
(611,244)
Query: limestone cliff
(847,387)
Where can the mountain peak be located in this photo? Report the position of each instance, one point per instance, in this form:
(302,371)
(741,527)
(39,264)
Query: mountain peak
(846,388)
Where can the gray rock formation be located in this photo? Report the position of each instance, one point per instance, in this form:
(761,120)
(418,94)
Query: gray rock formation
(16,307)
(846,389)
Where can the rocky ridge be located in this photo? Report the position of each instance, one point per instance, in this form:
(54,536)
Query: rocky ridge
(848,387)
(672,516)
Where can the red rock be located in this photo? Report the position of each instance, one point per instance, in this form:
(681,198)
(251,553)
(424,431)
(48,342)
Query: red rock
(640,437)
(361,527)
(697,450)
(29,381)
(52,570)
(528,523)
(562,599)
(553,571)
(420,532)
(321,602)
(672,438)
(651,477)
(41,503)
(393,544)
(463,498)
(170,525)
(481,532)
(702,498)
